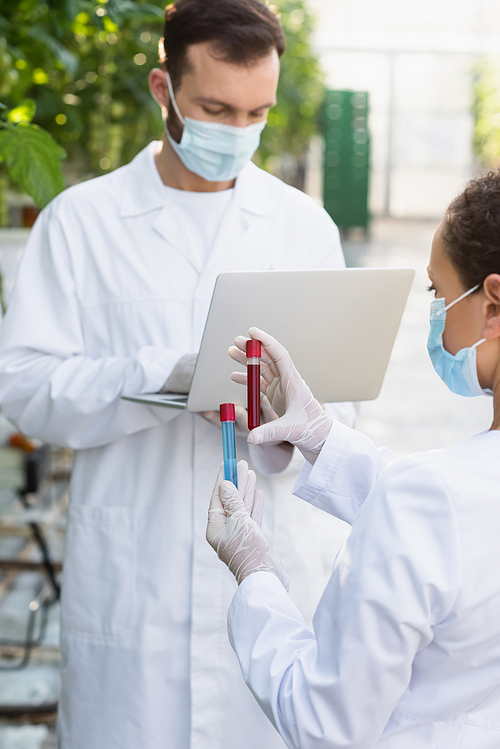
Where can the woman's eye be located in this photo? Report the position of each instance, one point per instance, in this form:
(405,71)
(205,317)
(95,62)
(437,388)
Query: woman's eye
(431,287)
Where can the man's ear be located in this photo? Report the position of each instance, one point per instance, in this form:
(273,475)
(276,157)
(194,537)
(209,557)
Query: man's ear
(491,289)
(158,86)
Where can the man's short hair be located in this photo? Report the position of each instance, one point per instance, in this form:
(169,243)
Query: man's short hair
(240,32)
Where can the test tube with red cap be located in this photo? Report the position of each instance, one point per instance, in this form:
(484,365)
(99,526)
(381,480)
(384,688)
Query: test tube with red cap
(227,420)
(254,353)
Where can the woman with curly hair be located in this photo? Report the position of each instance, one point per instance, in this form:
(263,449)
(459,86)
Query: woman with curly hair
(405,651)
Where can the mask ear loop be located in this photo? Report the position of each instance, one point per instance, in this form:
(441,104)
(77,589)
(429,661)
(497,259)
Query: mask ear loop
(459,299)
(475,345)
(172,98)
(455,301)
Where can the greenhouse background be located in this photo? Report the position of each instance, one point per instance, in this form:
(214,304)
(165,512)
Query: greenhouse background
(73,84)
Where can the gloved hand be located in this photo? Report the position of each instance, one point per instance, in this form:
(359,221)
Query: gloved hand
(301,419)
(233,528)
(181,376)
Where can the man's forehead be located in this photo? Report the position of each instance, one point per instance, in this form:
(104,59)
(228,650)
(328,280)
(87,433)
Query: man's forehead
(198,55)
(205,60)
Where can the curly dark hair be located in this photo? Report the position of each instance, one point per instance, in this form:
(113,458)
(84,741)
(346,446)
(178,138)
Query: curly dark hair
(471,230)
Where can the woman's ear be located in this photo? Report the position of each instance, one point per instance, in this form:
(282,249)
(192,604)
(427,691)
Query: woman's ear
(491,289)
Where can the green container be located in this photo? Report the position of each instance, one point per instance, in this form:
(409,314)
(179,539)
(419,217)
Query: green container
(347,158)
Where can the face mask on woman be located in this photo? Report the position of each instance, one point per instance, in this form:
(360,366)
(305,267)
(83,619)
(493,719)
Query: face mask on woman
(211,150)
(459,371)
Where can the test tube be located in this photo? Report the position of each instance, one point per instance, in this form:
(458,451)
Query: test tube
(254,352)
(227,420)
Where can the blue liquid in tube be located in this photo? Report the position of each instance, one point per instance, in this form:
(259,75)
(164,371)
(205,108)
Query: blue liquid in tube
(229,452)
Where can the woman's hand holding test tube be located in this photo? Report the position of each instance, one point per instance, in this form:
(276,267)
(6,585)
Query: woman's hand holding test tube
(233,529)
(301,420)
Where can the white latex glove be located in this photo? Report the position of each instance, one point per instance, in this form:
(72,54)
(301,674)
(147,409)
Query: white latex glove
(233,528)
(301,419)
(180,378)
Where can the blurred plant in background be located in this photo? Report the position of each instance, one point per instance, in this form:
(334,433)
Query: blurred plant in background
(486,110)
(29,155)
(85,63)
(296,117)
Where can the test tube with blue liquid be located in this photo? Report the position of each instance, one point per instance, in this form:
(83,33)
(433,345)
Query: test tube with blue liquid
(227,420)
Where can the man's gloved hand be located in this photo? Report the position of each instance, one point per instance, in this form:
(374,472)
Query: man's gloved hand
(181,376)
(302,420)
(233,528)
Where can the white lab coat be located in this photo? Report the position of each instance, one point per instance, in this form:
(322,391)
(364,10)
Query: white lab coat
(406,650)
(108,297)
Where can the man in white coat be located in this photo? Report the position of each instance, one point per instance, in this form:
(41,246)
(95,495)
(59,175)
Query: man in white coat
(111,299)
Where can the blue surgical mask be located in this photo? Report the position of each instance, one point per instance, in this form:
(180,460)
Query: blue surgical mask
(459,371)
(214,151)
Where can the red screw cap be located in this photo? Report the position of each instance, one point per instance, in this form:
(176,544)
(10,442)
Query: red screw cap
(227,412)
(254,348)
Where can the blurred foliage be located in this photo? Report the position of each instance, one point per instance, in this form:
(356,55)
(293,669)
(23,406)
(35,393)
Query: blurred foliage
(85,64)
(296,117)
(486,110)
(31,156)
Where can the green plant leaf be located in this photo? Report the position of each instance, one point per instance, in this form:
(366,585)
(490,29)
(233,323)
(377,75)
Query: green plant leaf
(33,160)
(24,112)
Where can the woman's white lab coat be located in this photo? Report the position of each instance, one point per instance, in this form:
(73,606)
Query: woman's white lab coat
(108,297)
(406,650)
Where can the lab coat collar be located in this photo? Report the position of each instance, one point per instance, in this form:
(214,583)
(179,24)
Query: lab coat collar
(252,191)
(143,187)
(144,192)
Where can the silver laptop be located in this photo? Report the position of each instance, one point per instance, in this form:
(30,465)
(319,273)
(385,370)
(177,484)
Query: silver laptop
(338,325)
